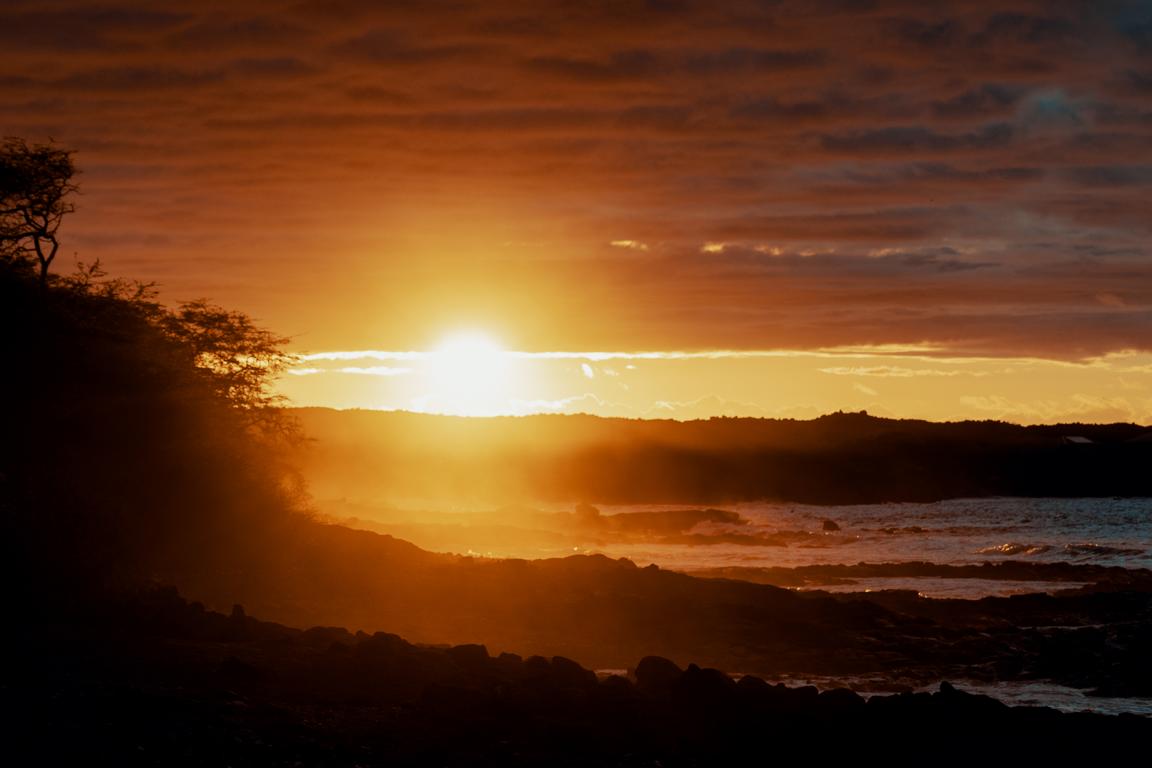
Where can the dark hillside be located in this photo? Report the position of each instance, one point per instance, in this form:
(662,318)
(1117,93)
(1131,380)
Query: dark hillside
(841,458)
(139,449)
(121,458)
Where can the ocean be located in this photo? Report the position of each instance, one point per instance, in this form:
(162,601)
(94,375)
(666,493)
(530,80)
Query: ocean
(1106,532)
(1110,532)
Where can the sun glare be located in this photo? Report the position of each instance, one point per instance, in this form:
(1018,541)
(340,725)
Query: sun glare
(469,375)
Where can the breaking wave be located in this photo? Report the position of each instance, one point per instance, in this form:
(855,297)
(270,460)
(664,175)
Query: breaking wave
(1014,548)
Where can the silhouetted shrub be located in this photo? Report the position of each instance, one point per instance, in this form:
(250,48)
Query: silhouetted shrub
(140,442)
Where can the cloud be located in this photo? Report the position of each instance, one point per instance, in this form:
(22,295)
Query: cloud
(276,66)
(135,79)
(583,403)
(1111,300)
(1024,28)
(896,371)
(920,352)
(1111,176)
(706,407)
(917,139)
(735,61)
(249,33)
(1079,407)
(590,356)
(986,101)
(364,354)
(752,159)
(918,383)
(925,34)
(77,28)
(627,64)
(390,47)
(375,370)
(644,64)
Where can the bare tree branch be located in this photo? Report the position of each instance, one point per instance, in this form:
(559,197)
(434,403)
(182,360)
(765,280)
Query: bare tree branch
(35,183)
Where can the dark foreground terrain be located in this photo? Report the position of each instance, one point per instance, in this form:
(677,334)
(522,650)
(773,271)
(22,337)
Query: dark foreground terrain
(609,613)
(140,447)
(155,680)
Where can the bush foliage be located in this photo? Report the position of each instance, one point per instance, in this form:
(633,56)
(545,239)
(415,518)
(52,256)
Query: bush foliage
(140,441)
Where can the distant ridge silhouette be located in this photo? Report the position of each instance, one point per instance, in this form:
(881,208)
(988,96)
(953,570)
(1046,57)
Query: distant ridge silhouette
(841,458)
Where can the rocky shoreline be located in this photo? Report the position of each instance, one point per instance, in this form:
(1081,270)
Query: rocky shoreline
(156,680)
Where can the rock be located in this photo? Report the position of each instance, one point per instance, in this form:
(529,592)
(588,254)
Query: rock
(616,684)
(829,526)
(705,686)
(840,701)
(383,645)
(964,704)
(233,671)
(239,627)
(325,637)
(804,697)
(568,674)
(752,683)
(469,656)
(537,667)
(656,675)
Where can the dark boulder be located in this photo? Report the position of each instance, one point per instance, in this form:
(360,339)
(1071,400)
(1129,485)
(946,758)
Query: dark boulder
(656,675)
(705,687)
(568,674)
(470,656)
(326,637)
(840,702)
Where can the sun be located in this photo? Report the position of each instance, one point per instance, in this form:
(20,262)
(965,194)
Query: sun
(468,348)
(468,373)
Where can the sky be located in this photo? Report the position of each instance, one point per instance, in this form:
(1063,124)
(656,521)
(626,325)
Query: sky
(795,203)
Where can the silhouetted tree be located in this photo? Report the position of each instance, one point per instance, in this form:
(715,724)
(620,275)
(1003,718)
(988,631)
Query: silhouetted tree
(35,183)
(139,440)
(236,359)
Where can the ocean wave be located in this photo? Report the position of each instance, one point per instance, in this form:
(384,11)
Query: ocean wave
(1099,550)
(904,529)
(1014,548)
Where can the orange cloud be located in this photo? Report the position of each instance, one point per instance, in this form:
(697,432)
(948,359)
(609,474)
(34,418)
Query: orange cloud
(354,173)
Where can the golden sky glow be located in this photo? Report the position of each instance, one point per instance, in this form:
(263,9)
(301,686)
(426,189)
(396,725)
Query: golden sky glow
(473,376)
(744,175)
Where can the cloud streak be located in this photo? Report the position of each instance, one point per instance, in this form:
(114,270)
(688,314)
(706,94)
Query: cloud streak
(711,354)
(749,383)
(741,175)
